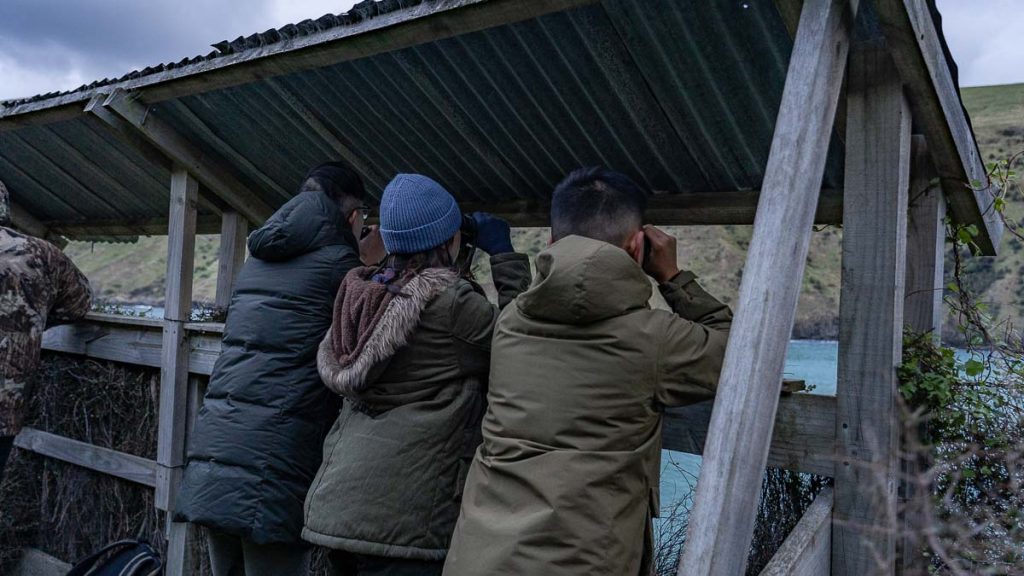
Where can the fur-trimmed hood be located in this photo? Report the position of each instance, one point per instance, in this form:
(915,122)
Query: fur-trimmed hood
(390,331)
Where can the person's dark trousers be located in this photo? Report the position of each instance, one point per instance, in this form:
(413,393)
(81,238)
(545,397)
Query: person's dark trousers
(234,556)
(6,443)
(346,564)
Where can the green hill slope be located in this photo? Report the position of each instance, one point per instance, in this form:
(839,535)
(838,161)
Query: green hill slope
(134,273)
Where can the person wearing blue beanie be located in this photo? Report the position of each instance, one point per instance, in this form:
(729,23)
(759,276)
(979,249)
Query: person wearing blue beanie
(409,351)
(416,214)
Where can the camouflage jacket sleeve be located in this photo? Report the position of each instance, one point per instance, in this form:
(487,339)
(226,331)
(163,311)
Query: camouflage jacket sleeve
(72,294)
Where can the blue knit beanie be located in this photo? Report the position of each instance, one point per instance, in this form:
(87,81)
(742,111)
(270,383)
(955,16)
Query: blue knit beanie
(417,214)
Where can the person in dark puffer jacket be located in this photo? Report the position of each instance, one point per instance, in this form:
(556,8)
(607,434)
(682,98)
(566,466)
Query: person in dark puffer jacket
(256,443)
(409,349)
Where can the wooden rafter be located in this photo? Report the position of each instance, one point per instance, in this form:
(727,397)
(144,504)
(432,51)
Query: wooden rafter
(690,209)
(915,47)
(211,171)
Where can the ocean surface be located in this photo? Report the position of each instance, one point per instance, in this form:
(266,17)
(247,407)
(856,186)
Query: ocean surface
(813,361)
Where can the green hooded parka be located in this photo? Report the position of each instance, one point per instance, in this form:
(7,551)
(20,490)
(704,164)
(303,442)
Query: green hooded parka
(566,480)
(395,461)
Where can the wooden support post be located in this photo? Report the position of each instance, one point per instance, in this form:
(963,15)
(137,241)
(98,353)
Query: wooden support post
(181,238)
(922,313)
(722,521)
(871,315)
(234,231)
(926,239)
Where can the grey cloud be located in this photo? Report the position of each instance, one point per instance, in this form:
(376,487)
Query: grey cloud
(108,38)
(146,31)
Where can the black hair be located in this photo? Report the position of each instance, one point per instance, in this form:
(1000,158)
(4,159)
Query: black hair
(598,203)
(338,181)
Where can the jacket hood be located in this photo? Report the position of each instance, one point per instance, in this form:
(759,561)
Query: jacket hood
(308,221)
(581,280)
(347,354)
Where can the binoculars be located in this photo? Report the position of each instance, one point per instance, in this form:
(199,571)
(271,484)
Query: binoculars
(469,230)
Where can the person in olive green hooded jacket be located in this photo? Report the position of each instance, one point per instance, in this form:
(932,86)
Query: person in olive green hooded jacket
(566,480)
(409,350)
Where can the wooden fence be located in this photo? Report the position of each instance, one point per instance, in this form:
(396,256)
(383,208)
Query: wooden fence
(803,438)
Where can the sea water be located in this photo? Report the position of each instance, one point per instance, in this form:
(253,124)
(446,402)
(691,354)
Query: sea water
(813,361)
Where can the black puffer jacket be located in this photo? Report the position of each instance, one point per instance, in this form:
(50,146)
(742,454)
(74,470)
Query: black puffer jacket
(256,444)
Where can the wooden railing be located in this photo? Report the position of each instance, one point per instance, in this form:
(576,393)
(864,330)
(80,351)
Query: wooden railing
(803,440)
(130,340)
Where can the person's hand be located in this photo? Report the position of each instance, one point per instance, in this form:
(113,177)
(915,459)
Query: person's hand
(371,246)
(493,234)
(661,262)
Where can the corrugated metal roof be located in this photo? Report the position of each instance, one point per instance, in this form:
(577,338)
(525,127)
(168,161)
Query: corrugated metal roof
(681,94)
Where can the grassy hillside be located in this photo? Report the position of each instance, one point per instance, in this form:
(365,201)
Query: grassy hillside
(997,113)
(134,273)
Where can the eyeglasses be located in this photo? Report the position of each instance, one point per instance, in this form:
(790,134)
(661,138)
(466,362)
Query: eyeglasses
(365,211)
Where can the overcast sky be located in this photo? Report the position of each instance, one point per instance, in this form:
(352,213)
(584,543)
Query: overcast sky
(50,45)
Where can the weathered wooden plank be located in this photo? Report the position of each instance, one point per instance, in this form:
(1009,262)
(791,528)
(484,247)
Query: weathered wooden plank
(922,312)
(111,462)
(417,24)
(789,11)
(205,224)
(115,343)
(181,245)
(871,315)
(173,409)
(138,346)
(234,159)
(213,173)
(233,234)
(926,242)
(100,118)
(125,132)
(803,438)
(917,51)
(174,388)
(178,550)
(725,506)
(805,552)
(689,209)
(205,328)
(121,319)
(177,308)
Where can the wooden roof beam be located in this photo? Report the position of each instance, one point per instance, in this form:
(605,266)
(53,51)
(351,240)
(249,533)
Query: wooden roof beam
(689,209)
(211,172)
(915,48)
(130,136)
(205,224)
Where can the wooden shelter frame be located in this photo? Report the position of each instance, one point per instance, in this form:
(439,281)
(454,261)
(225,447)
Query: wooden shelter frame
(897,188)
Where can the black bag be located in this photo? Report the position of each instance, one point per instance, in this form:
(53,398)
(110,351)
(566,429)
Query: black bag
(124,558)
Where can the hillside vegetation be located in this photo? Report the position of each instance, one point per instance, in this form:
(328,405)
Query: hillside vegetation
(134,273)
